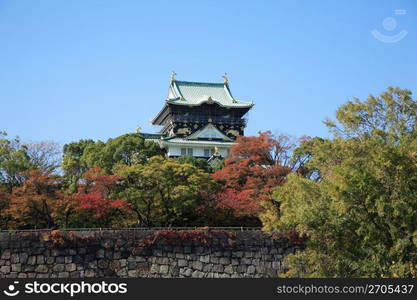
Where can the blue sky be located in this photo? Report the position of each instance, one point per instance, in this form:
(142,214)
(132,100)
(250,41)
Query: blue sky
(98,69)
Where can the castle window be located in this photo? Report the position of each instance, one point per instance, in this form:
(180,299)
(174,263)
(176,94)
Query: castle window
(186,151)
(208,152)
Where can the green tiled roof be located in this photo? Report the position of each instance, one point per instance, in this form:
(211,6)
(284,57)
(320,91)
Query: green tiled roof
(196,93)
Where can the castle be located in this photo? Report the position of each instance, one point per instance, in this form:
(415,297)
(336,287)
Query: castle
(199,119)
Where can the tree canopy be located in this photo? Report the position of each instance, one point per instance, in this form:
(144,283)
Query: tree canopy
(360,211)
(257,164)
(127,149)
(163,192)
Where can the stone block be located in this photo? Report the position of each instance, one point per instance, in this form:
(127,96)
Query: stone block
(131,265)
(102,263)
(188,272)
(224,260)
(89,273)
(123,263)
(205,258)
(71,267)
(50,260)
(14,259)
(197,274)
(41,269)
(140,259)
(207,268)
(109,254)
(218,268)
(246,261)
(197,265)
(164,269)
(100,253)
(154,268)
(76,274)
(237,254)
(28,268)
(16,267)
(214,260)
(58,268)
(182,263)
(40,259)
(6,254)
(23,257)
(276,265)
(228,269)
(63,275)
(81,251)
(251,269)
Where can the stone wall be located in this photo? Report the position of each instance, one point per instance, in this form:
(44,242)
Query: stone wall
(137,253)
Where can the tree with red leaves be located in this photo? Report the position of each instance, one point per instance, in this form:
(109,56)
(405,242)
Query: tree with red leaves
(96,197)
(257,165)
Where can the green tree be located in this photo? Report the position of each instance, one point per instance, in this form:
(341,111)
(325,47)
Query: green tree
(127,149)
(200,163)
(14,160)
(73,163)
(163,192)
(360,211)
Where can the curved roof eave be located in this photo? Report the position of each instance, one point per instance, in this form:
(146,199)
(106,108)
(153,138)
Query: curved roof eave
(234,105)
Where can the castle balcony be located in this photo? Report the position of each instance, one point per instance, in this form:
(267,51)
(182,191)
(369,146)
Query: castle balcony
(205,119)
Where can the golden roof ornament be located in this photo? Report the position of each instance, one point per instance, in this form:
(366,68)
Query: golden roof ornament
(216,151)
(173,76)
(225,79)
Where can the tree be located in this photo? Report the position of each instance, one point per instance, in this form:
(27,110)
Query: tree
(14,160)
(4,204)
(163,192)
(127,149)
(73,164)
(45,155)
(17,157)
(360,212)
(36,203)
(200,163)
(257,164)
(96,198)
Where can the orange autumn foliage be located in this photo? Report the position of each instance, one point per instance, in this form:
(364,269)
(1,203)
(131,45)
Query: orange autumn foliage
(257,165)
(39,201)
